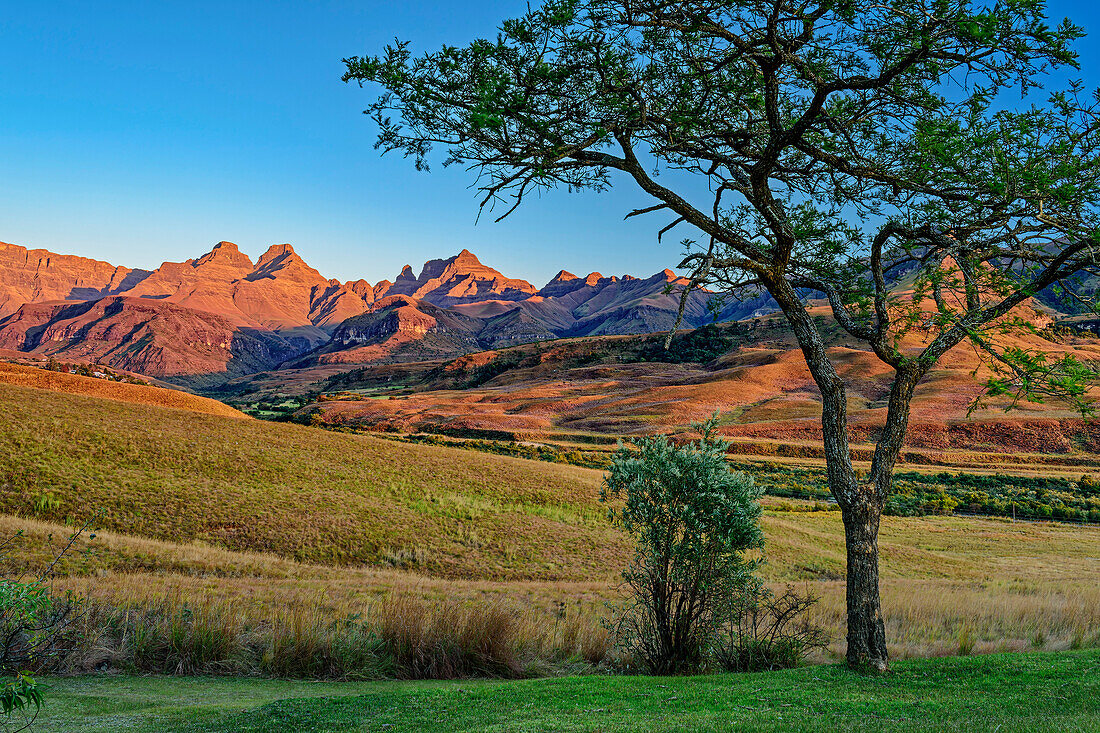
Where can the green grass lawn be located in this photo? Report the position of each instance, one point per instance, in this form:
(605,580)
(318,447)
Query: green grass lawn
(1006,692)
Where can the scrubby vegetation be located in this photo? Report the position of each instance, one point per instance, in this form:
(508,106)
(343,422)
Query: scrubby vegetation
(400,636)
(692,520)
(92,370)
(919,494)
(37,632)
(702,345)
(767,631)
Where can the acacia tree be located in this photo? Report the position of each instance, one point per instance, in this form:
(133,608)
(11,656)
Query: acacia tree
(828,149)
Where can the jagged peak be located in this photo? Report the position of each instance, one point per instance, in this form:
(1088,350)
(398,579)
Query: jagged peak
(669,275)
(563,276)
(274,252)
(592,278)
(466,257)
(406,273)
(224,253)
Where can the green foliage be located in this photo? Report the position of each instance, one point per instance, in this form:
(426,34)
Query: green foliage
(704,344)
(21,695)
(35,633)
(692,519)
(1032,376)
(765,631)
(915,493)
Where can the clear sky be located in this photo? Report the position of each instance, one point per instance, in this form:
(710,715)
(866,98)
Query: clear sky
(143,132)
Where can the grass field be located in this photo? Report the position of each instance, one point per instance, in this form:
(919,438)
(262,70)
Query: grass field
(295,491)
(278,517)
(1019,692)
(949,583)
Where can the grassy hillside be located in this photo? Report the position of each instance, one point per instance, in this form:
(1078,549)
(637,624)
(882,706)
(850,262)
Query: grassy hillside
(278,517)
(26,376)
(296,491)
(966,694)
(323,497)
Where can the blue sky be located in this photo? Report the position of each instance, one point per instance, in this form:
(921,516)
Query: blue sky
(145,132)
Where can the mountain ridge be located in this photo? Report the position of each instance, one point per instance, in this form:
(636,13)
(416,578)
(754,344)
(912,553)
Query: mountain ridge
(258,314)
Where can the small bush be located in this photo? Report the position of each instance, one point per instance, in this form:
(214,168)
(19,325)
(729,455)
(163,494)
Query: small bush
(692,519)
(766,631)
(36,634)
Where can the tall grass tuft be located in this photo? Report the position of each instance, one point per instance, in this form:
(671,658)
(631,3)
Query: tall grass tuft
(401,637)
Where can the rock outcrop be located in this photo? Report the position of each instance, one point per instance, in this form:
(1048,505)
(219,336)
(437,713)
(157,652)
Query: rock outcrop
(36,275)
(147,336)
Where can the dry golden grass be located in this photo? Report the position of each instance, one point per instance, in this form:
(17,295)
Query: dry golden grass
(947,582)
(284,519)
(73,384)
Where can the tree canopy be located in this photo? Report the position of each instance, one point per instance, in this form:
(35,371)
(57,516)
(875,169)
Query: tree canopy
(899,160)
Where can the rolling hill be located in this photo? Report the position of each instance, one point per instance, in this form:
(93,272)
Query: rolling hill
(752,374)
(272,520)
(15,375)
(295,491)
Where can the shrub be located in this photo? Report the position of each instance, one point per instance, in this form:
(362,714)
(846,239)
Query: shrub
(692,519)
(35,635)
(765,631)
(702,345)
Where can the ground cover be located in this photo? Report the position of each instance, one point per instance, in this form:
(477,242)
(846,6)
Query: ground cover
(1019,692)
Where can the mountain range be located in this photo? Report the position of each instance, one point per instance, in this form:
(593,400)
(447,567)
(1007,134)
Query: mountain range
(221,315)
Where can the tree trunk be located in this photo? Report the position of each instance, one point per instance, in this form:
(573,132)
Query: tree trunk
(860,502)
(866,633)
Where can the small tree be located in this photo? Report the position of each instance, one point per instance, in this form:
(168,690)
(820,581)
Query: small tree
(692,519)
(818,149)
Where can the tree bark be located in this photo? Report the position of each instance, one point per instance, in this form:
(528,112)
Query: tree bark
(866,632)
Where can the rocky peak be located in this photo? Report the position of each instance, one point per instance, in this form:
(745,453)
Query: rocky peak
(225,254)
(562,283)
(406,275)
(275,252)
(280,261)
(563,276)
(465,257)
